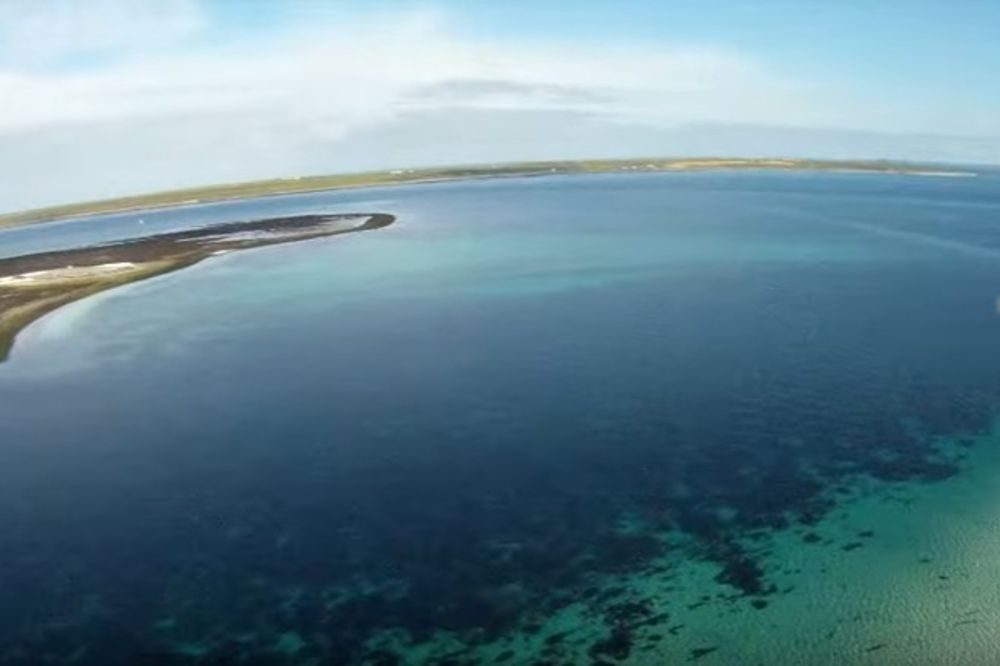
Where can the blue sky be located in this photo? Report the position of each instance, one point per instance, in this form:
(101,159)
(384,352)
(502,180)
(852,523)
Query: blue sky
(116,96)
(898,44)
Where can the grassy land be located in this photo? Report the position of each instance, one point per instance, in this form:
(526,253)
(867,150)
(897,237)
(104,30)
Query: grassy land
(316,183)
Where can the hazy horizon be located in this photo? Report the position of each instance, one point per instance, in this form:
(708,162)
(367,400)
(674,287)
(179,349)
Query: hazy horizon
(120,98)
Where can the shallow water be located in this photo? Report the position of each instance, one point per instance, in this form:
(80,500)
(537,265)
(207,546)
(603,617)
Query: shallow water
(723,418)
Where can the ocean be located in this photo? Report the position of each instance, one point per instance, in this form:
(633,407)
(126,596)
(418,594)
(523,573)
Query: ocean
(723,418)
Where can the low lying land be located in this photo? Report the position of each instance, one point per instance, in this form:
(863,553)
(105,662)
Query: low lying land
(316,183)
(33,285)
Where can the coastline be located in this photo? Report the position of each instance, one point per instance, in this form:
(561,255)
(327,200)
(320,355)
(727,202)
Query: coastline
(299,185)
(817,345)
(32,286)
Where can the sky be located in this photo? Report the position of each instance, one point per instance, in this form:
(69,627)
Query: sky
(100,98)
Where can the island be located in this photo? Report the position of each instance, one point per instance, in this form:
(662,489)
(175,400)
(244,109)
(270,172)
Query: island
(437,174)
(33,285)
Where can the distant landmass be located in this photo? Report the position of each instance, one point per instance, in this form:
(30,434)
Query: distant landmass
(33,285)
(434,174)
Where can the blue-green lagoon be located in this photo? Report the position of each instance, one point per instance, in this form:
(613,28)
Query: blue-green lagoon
(719,418)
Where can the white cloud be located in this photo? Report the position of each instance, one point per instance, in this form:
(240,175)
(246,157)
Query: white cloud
(355,71)
(38,33)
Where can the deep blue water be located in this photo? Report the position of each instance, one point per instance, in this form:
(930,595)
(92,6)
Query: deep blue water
(439,428)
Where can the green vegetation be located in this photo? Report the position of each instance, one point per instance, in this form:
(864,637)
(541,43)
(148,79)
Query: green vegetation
(317,183)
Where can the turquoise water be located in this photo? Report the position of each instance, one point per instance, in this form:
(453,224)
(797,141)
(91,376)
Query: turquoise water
(724,418)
